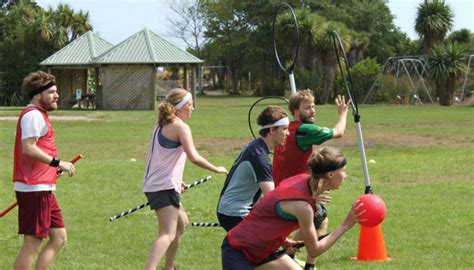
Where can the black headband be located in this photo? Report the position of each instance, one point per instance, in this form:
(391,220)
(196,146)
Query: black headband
(330,168)
(41,89)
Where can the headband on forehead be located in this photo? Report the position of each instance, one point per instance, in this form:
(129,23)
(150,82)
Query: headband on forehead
(41,89)
(281,122)
(183,101)
(330,168)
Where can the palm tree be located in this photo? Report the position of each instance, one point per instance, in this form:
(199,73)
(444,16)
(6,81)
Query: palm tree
(285,33)
(434,19)
(461,36)
(67,24)
(446,63)
(316,48)
(80,24)
(326,55)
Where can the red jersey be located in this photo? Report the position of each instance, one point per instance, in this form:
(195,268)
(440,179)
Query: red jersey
(27,170)
(262,231)
(289,159)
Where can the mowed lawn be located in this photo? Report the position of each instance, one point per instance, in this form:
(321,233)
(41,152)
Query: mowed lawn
(424,172)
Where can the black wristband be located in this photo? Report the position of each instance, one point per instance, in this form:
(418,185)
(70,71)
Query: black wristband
(309,266)
(54,162)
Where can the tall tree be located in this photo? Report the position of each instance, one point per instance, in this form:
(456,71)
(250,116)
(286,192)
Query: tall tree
(446,63)
(463,35)
(433,21)
(230,25)
(188,24)
(28,34)
(67,24)
(326,55)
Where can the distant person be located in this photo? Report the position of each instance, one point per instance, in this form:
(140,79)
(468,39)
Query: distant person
(251,173)
(254,242)
(171,142)
(35,167)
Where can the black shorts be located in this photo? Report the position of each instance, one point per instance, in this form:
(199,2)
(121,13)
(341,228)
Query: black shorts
(163,198)
(234,259)
(228,222)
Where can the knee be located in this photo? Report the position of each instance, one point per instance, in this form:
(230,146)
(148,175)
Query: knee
(59,241)
(180,230)
(185,223)
(168,237)
(182,225)
(62,240)
(32,244)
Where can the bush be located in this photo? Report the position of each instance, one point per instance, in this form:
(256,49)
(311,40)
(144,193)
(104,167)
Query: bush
(364,75)
(389,90)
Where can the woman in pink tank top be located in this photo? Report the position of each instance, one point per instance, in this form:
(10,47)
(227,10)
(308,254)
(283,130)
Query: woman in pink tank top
(170,144)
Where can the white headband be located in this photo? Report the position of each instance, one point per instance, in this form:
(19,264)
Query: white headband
(183,101)
(282,122)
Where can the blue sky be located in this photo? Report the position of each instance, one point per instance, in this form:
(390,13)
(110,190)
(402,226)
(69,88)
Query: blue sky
(116,20)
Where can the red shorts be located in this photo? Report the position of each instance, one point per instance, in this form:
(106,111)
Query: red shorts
(37,213)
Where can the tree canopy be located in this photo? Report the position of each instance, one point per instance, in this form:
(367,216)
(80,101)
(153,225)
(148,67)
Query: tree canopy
(238,34)
(29,34)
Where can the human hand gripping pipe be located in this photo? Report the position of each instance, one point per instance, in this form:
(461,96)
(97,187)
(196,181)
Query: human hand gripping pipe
(76,158)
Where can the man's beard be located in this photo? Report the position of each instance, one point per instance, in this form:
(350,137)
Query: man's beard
(48,106)
(306,119)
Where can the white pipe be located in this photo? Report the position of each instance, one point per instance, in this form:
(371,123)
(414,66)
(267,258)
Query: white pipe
(363,158)
(292,83)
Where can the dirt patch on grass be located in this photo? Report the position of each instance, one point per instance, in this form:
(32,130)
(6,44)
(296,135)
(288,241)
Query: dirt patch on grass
(221,146)
(408,140)
(232,146)
(385,140)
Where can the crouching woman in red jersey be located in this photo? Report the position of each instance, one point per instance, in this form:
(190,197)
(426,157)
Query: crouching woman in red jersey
(254,242)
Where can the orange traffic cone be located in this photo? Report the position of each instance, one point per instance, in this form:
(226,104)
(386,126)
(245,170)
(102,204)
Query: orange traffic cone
(371,245)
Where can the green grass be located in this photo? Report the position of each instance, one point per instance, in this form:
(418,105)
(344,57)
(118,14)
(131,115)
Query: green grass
(424,157)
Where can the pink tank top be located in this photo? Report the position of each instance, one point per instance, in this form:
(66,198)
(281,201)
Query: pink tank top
(164,166)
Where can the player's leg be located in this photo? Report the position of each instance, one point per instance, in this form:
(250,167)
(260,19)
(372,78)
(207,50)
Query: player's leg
(183,222)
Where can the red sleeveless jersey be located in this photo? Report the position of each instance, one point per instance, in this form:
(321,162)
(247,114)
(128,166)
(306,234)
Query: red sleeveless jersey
(262,231)
(289,159)
(27,170)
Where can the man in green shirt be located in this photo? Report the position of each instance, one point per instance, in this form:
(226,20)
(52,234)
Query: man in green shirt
(291,158)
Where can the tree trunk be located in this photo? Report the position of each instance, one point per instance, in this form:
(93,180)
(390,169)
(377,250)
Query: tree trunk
(221,73)
(235,80)
(329,74)
(442,91)
(300,68)
(213,75)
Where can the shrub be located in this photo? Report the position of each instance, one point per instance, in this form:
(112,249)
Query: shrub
(364,75)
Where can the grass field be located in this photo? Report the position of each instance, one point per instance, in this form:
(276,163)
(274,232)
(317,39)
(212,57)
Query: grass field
(424,171)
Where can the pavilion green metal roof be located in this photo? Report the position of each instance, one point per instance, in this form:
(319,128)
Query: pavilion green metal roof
(146,47)
(79,52)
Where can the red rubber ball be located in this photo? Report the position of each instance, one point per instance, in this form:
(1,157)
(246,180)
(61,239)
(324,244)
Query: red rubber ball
(375,210)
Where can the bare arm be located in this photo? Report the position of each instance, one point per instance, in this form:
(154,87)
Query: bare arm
(186,139)
(266,186)
(31,150)
(342,108)
(304,213)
